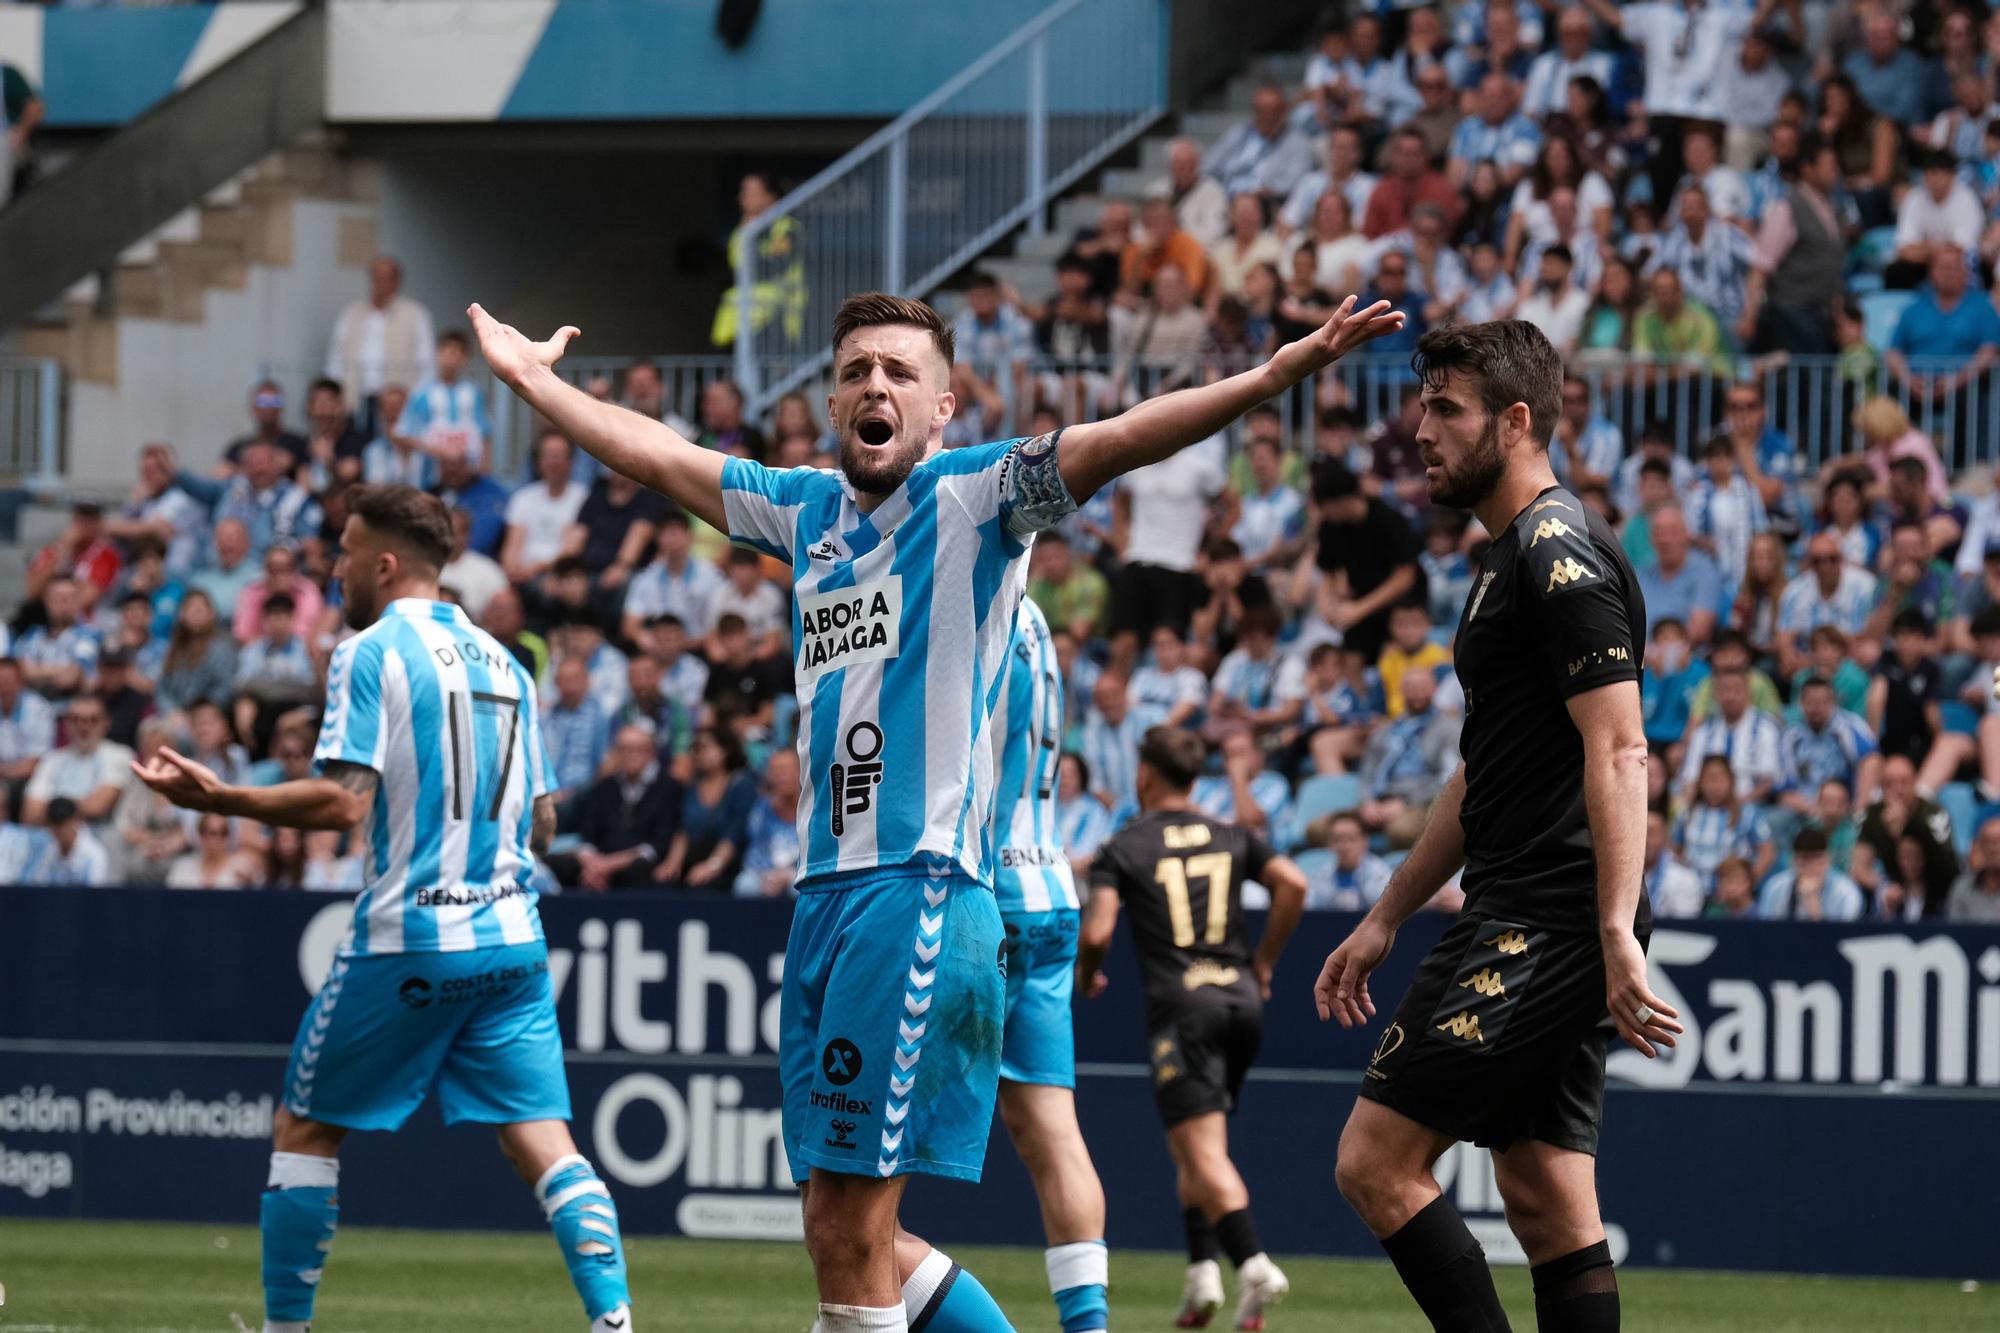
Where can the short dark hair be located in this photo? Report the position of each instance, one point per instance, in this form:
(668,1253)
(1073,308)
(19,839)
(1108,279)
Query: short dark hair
(1559,251)
(457,338)
(1656,467)
(1082,765)
(1809,842)
(61,810)
(1910,621)
(729,622)
(279,603)
(327,384)
(982,281)
(1719,447)
(1669,622)
(1907,466)
(675,517)
(416,521)
(1511,360)
(1986,622)
(871,310)
(1175,753)
(1814,683)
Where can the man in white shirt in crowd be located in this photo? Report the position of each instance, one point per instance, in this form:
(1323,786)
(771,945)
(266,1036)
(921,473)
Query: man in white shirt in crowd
(77,859)
(1343,148)
(90,770)
(676,582)
(539,514)
(1550,74)
(1158,515)
(1674,888)
(471,577)
(385,337)
(1757,83)
(1264,155)
(1942,213)
(745,591)
(27,729)
(1199,201)
(1554,304)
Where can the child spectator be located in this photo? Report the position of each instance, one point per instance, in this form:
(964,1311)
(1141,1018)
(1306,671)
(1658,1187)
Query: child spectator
(274,671)
(1675,891)
(1811,889)
(1904,701)
(1447,573)
(1829,659)
(1251,689)
(1355,879)
(1719,823)
(1168,691)
(1672,678)
(1724,512)
(1735,897)
(1410,649)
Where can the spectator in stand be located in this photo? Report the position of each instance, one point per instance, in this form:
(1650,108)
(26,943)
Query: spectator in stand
(216,862)
(1111,736)
(1687,49)
(334,444)
(1071,593)
(1907,499)
(445,415)
(1675,891)
(1959,131)
(1888,436)
(994,339)
(1245,792)
(1253,685)
(771,846)
(383,339)
(1731,651)
(1167,690)
(505,622)
(1410,648)
(1749,737)
(1159,515)
(1810,889)
(200,662)
(1943,214)
(676,582)
(1762,591)
(1246,245)
(1945,339)
(1613,314)
(613,535)
(1355,878)
(391,459)
(125,698)
(1567,228)
(1975,895)
(1847,520)
(462,486)
(1407,762)
(1435,116)
(1712,257)
(1265,155)
(739,672)
(470,578)
(576,729)
(539,514)
(578,634)
(745,592)
(1381,91)
(1800,259)
(1490,293)
(1531,216)
(1905,702)
(1410,181)
(76,858)
(148,831)
(1827,744)
(1680,582)
(1343,172)
(1904,812)
(1074,335)
(1163,246)
(281,578)
(1912,580)
(1199,200)
(1585,448)
(162,509)
(1682,335)
(706,850)
(1104,247)
(1752,91)
(59,654)
(1372,544)
(1081,819)
(625,821)
(1271,517)
(1727,192)
(273,509)
(1724,513)
(647,704)
(1829,590)
(1549,76)
(267,420)
(1495,132)
(275,671)
(90,770)
(85,554)
(1673,677)
(722,424)
(1553,304)
(1719,822)
(27,731)
(1891,78)
(1340,254)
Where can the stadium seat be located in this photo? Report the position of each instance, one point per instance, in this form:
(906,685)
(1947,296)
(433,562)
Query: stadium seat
(1324,794)
(1317,862)
(1960,802)
(1879,313)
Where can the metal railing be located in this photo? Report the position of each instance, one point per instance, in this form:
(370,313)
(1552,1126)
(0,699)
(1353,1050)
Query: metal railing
(31,438)
(982,155)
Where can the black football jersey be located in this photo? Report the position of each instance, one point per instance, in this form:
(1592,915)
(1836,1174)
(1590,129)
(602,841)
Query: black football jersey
(1555,610)
(1180,877)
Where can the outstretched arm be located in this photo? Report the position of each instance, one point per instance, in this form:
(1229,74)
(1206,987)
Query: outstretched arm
(1096,452)
(338,801)
(645,450)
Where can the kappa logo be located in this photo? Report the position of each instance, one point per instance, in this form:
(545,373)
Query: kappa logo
(1566,571)
(1550,503)
(1485,982)
(1508,942)
(1550,527)
(1464,1026)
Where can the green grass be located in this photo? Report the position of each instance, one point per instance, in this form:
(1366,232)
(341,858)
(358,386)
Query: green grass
(152,1278)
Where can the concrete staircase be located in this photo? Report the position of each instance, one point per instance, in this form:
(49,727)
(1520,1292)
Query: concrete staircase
(169,276)
(1030,265)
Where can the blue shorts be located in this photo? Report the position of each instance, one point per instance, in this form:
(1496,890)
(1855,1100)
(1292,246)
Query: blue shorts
(1040,1045)
(891,1016)
(478,1025)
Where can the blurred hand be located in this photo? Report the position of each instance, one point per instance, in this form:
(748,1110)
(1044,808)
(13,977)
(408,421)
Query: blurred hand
(1347,330)
(1627,995)
(1342,989)
(509,351)
(190,785)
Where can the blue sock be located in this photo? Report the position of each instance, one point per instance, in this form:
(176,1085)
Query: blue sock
(941,1297)
(298,1215)
(1079,1273)
(580,1212)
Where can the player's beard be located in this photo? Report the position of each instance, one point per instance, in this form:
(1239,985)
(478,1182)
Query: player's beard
(1464,484)
(878,471)
(357,605)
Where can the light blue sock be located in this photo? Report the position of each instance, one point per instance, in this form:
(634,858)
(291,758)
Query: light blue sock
(941,1297)
(580,1212)
(1079,1274)
(298,1215)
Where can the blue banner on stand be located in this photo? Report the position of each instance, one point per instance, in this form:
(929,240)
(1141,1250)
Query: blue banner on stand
(1833,1080)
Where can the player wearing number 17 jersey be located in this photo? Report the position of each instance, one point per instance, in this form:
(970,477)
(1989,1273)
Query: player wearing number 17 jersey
(1181,875)
(906,568)
(431,755)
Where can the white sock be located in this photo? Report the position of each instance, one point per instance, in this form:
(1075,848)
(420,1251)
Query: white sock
(613,1321)
(1083,1263)
(860,1319)
(285,1326)
(923,1283)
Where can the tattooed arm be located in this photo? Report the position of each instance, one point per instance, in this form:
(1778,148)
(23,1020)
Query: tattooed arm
(341,800)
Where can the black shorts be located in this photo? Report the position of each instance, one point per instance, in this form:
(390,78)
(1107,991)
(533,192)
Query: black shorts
(1149,596)
(1502,1037)
(1200,1054)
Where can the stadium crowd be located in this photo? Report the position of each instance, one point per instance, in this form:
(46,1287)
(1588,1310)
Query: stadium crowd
(1671,193)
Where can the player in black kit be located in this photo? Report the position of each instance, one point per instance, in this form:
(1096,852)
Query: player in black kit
(1181,874)
(1501,1038)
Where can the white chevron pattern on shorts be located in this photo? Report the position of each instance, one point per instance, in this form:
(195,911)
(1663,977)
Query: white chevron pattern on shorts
(298,1096)
(917,995)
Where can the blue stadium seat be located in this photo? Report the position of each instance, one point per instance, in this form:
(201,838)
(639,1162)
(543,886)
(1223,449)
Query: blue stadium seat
(1317,862)
(1962,804)
(1324,794)
(1864,282)
(1873,250)
(1879,313)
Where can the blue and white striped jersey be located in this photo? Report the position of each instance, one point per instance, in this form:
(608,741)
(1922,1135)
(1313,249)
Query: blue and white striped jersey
(450,416)
(447,719)
(1033,874)
(901,618)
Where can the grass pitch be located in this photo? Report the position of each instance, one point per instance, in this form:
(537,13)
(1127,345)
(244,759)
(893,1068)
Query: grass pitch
(89,1277)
